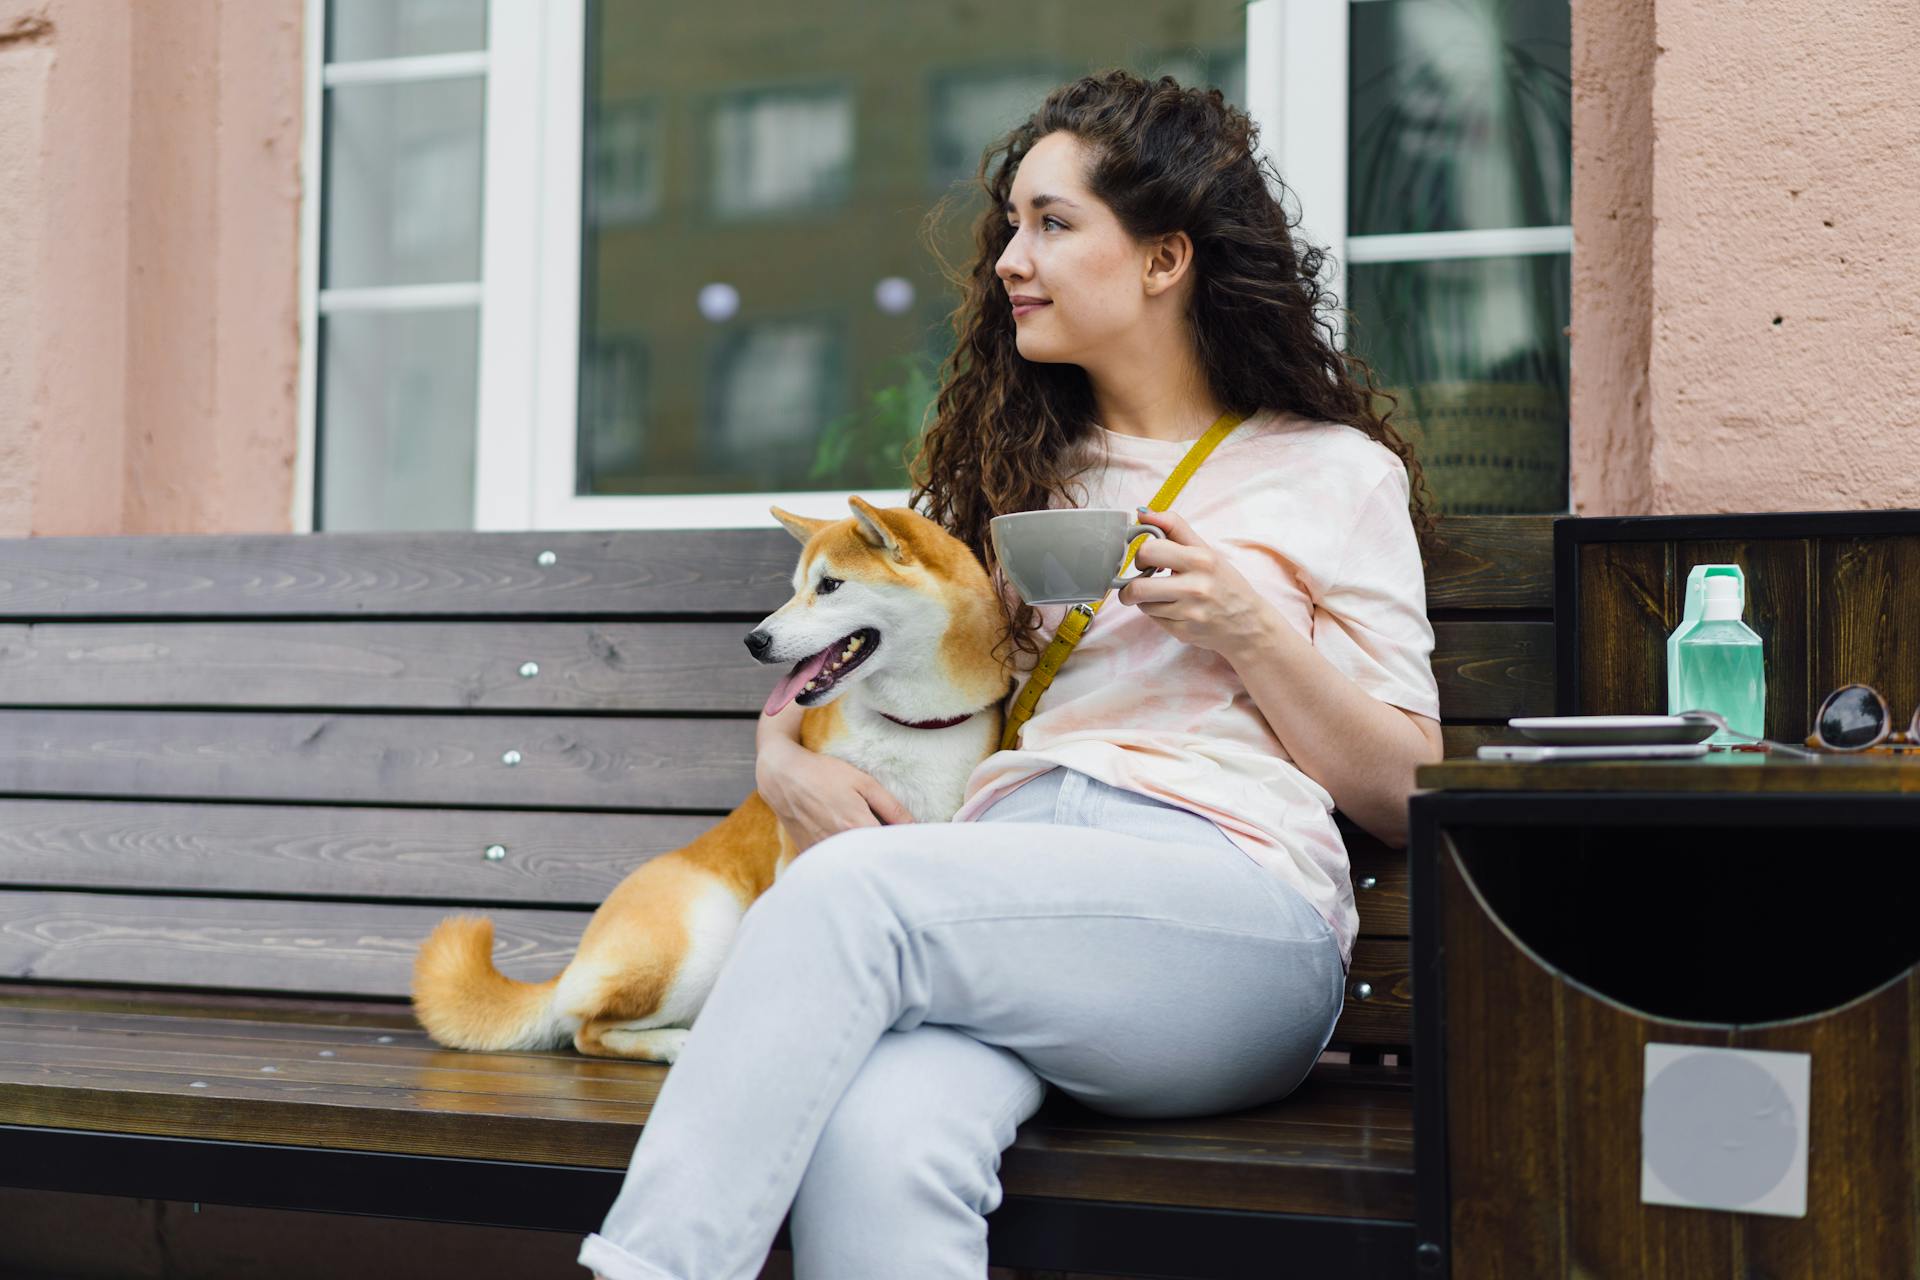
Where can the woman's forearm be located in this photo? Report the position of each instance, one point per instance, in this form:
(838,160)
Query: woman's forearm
(1362,750)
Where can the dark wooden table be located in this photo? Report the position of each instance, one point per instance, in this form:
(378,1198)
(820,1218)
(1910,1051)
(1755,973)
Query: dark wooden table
(1566,915)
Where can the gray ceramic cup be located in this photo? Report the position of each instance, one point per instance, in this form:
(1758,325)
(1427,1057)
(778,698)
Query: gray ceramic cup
(1066,556)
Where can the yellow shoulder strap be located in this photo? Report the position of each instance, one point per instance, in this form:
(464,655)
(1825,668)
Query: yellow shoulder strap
(1077,619)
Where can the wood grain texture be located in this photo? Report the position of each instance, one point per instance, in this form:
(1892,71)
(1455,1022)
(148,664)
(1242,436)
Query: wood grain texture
(1381,884)
(429,666)
(1742,772)
(548,858)
(1340,1145)
(1609,1231)
(1484,669)
(1867,628)
(250,944)
(1862,1174)
(1497,562)
(1492,562)
(564,762)
(1384,1018)
(368,575)
(1626,610)
(1505,1130)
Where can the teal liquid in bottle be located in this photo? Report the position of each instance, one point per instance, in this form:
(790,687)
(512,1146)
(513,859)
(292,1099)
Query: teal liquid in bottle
(1721,665)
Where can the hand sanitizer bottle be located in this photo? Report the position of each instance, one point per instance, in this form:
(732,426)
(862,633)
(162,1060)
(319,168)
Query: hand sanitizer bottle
(1721,666)
(1693,605)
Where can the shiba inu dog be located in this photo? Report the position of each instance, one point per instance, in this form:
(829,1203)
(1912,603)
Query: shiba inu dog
(890,634)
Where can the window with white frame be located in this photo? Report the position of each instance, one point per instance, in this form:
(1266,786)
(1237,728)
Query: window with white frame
(393,247)
(584,263)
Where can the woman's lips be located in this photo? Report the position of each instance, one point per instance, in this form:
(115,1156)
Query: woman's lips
(1025,307)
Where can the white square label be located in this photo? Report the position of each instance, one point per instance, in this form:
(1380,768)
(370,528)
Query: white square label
(1725,1129)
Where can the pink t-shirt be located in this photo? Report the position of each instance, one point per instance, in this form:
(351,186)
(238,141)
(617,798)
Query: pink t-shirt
(1314,516)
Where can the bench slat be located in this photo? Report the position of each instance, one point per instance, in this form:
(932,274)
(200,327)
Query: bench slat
(366,949)
(353,758)
(349,948)
(565,762)
(1386,1017)
(549,858)
(1491,562)
(1485,670)
(1338,1146)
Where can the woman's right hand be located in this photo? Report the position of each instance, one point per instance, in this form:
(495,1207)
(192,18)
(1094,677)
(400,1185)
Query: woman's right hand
(816,796)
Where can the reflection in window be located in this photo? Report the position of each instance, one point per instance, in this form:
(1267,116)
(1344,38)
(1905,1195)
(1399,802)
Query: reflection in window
(793,319)
(613,395)
(1461,115)
(624,187)
(787,151)
(774,383)
(1476,351)
(968,108)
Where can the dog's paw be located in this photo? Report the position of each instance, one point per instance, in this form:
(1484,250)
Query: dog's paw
(661,1044)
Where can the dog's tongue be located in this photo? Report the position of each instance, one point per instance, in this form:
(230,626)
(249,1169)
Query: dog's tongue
(796,680)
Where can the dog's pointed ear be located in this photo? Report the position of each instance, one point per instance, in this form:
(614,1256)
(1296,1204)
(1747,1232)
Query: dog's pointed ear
(799,526)
(872,527)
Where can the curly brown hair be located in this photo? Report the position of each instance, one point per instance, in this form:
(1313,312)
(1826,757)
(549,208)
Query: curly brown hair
(1164,159)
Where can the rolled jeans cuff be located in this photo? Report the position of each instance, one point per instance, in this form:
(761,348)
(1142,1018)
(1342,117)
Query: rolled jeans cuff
(610,1260)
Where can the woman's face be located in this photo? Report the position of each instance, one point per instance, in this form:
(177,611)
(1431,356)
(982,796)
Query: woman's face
(1070,251)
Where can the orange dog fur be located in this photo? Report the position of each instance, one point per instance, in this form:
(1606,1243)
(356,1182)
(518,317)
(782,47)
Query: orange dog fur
(891,630)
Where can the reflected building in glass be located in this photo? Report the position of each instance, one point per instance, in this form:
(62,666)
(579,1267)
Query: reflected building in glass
(759,312)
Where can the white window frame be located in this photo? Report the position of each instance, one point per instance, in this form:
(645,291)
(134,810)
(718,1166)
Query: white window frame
(535,68)
(314,301)
(1297,71)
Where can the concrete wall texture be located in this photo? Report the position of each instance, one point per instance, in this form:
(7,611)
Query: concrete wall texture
(1746,264)
(149,267)
(1746,272)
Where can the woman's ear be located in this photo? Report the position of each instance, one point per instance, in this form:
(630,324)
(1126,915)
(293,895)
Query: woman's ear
(1168,263)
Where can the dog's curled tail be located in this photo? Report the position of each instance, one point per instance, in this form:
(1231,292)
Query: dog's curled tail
(466,1003)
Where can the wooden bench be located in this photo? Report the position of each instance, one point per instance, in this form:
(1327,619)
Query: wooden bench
(242,776)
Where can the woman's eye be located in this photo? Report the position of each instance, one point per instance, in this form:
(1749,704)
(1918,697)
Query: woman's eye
(826,586)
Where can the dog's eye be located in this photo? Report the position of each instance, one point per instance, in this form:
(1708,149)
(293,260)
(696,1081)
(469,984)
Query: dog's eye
(826,586)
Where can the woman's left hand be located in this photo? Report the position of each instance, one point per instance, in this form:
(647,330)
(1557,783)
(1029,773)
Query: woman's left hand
(1203,600)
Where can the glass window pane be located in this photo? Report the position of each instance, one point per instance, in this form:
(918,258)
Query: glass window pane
(360,29)
(759,173)
(1477,350)
(780,152)
(398,392)
(403,183)
(1460,115)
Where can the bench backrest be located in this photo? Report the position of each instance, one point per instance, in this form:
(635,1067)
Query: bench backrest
(1834,596)
(272,763)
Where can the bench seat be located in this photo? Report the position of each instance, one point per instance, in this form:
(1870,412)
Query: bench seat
(361,1076)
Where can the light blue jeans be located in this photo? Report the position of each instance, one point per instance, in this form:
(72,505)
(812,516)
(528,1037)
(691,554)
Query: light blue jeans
(895,1006)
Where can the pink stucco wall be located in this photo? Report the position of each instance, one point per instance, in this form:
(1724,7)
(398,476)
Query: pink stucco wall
(149,267)
(1746,270)
(1732,164)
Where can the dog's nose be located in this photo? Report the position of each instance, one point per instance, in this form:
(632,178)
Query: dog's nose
(758,642)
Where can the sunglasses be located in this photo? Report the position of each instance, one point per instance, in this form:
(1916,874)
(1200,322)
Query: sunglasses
(1855,717)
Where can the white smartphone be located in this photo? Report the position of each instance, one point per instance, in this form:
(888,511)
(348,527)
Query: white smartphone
(1612,751)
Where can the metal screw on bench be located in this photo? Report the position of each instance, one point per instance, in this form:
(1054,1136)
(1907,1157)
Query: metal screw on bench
(495,852)
(1367,882)
(528,670)
(545,559)
(510,759)
(1363,991)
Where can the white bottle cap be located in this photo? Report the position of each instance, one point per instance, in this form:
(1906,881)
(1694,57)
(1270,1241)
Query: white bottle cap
(1723,598)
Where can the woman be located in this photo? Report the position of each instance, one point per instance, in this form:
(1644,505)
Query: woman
(1160,919)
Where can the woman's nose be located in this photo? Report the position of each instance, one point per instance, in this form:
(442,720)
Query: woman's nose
(1013,262)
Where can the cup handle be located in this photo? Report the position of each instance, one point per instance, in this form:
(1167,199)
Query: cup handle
(1134,531)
